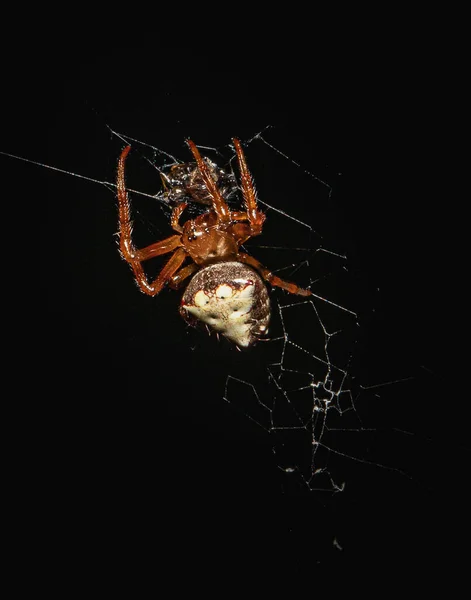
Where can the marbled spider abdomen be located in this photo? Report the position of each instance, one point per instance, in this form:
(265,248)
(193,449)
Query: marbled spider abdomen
(231,298)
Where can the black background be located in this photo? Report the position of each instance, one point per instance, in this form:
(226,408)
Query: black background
(134,446)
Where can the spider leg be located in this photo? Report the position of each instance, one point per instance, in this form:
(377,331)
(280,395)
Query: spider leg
(134,256)
(292,288)
(128,250)
(125,223)
(163,247)
(176,214)
(238,215)
(241,232)
(256,218)
(165,275)
(219,205)
(177,279)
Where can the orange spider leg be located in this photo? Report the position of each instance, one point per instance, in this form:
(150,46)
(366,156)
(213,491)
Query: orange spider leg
(241,232)
(255,217)
(177,279)
(219,206)
(134,256)
(165,275)
(292,288)
(176,214)
(238,215)
(125,224)
(163,247)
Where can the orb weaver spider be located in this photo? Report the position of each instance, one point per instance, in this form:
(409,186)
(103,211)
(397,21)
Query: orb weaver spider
(227,291)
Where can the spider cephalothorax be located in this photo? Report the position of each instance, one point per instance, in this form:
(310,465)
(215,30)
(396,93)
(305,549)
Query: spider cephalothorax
(227,292)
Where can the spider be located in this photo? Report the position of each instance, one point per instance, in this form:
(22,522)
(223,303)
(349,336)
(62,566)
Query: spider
(227,291)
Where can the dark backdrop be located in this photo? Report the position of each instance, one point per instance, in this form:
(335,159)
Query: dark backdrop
(133,441)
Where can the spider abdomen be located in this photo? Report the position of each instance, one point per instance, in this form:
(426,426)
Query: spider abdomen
(231,298)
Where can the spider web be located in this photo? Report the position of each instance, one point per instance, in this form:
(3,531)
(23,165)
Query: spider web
(302,392)
(318,408)
(304,373)
(300,389)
